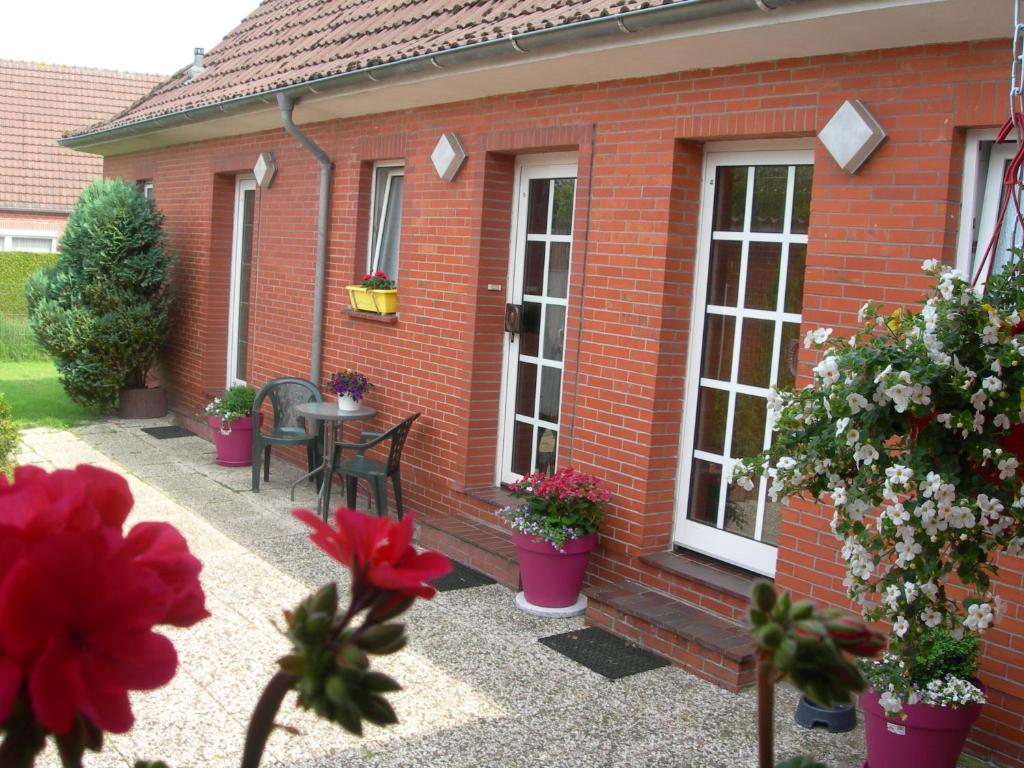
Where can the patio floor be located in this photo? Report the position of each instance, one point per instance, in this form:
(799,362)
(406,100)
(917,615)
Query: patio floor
(480,690)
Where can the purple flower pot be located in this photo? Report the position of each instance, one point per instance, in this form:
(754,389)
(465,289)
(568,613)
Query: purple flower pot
(552,579)
(235,448)
(930,737)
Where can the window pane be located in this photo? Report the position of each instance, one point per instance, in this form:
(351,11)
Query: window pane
(34,244)
(547,449)
(770,527)
(724,278)
(244,277)
(730,198)
(801,200)
(794,301)
(756,352)
(705,487)
(550,393)
(526,384)
(561,211)
(788,354)
(558,270)
(712,408)
(537,216)
(530,338)
(554,332)
(748,426)
(762,287)
(769,209)
(390,235)
(718,331)
(741,510)
(522,448)
(533,276)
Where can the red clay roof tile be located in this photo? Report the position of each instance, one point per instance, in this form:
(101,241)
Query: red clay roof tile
(39,102)
(286,42)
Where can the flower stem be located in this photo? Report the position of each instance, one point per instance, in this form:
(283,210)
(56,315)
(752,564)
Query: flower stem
(261,724)
(765,713)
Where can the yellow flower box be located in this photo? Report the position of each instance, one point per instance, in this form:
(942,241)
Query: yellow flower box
(382,302)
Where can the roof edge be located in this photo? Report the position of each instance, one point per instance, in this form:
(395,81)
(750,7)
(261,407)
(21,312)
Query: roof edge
(511,46)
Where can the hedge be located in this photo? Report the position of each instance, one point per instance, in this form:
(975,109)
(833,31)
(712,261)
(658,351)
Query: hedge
(15,267)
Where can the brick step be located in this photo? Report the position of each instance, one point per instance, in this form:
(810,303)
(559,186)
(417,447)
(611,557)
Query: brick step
(701,581)
(480,545)
(697,640)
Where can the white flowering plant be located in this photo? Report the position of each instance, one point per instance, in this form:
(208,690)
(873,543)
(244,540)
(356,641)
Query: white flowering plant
(911,430)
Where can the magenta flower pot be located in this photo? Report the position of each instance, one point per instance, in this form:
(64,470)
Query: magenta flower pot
(552,579)
(234,449)
(930,737)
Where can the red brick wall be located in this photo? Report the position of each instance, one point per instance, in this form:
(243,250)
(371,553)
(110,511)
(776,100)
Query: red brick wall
(640,154)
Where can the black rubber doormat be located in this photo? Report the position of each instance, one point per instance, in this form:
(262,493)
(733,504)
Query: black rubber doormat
(166,433)
(604,653)
(462,577)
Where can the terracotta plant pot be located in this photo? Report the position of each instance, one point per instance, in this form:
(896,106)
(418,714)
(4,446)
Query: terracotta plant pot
(552,579)
(145,403)
(929,737)
(234,449)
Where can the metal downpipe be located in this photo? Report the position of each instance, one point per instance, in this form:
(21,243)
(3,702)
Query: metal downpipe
(287,104)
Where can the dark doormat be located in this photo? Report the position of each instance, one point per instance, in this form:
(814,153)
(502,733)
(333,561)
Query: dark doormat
(462,577)
(165,433)
(604,653)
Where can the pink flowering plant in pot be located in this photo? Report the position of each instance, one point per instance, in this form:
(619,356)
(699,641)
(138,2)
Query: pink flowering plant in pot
(910,432)
(80,601)
(556,508)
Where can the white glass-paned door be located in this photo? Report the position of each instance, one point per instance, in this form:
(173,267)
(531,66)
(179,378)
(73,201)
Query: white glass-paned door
(241,275)
(539,283)
(746,334)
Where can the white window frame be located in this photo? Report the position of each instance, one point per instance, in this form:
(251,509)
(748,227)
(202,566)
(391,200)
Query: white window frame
(147,189)
(750,554)
(373,244)
(243,184)
(971,186)
(7,238)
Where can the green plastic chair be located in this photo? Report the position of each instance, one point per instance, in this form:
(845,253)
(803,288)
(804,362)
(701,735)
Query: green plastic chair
(288,426)
(375,472)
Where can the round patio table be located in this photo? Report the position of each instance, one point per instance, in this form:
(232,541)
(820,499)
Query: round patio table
(334,424)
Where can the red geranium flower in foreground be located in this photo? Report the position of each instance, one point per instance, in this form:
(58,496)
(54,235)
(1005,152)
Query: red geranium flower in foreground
(377,550)
(78,600)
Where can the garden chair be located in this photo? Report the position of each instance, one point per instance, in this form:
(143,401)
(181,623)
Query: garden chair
(375,472)
(287,428)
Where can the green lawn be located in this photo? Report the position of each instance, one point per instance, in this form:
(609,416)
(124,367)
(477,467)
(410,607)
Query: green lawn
(36,397)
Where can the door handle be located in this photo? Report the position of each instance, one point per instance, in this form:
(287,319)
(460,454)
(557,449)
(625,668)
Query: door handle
(513,320)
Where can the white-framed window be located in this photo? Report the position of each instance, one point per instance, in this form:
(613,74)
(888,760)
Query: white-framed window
(146,187)
(386,217)
(37,242)
(982,196)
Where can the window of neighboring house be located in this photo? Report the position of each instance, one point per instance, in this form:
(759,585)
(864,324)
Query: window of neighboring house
(386,217)
(35,243)
(983,195)
(147,189)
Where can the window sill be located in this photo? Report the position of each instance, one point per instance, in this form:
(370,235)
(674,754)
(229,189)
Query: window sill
(372,317)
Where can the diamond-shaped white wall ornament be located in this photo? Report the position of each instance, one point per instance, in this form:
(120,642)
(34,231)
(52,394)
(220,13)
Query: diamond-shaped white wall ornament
(264,169)
(448,156)
(852,135)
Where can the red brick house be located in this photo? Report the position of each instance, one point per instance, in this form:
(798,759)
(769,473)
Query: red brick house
(40,180)
(647,182)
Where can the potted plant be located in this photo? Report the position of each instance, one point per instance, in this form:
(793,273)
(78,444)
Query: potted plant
(554,530)
(909,431)
(103,310)
(350,387)
(230,417)
(376,294)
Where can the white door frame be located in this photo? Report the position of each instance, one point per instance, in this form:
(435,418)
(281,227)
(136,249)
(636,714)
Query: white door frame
(527,167)
(242,185)
(717,542)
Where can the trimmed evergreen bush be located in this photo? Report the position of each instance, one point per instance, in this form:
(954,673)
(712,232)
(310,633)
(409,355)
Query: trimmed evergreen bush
(103,310)
(8,437)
